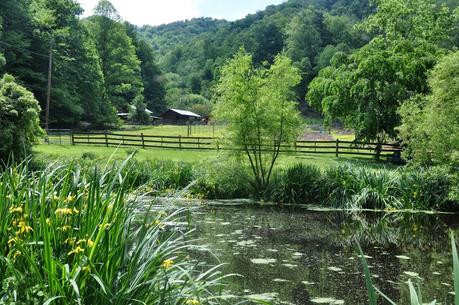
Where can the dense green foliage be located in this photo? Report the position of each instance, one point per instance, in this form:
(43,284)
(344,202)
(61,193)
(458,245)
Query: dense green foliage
(365,89)
(98,68)
(19,121)
(430,124)
(69,236)
(259,109)
(310,30)
(348,186)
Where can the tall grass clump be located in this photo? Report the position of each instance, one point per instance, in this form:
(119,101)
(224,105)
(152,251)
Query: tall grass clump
(298,183)
(69,235)
(360,187)
(222,180)
(160,176)
(424,189)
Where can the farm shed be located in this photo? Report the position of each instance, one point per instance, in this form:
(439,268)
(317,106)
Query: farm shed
(179,117)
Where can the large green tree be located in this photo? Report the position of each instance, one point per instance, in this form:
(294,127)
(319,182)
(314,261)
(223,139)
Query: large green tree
(152,78)
(119,63)
(19,119)
(430,124)
(365,89)
(77,91)
(259,107)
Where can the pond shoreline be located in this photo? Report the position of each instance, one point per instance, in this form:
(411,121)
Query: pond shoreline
(251,203)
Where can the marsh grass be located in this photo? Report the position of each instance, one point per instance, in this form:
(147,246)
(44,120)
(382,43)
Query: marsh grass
(351,187)
(69,235)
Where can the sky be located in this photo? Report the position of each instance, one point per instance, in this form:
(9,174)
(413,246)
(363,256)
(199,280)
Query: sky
(156,12)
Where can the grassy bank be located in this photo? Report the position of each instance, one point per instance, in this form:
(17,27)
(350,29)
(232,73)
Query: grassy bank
(319,180)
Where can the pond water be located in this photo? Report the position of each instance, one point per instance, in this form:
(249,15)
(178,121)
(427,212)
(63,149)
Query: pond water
(310,257)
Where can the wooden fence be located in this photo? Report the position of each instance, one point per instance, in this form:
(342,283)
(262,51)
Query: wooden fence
(336,147)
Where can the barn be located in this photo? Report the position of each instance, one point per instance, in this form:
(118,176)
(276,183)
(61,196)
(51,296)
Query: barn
(179,117)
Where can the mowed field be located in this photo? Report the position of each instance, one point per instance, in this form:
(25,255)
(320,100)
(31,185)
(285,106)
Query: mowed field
(104,154)
(60,148)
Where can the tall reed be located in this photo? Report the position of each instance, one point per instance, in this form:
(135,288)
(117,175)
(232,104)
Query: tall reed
(69,235)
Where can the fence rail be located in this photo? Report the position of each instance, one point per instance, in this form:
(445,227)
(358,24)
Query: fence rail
(109,139)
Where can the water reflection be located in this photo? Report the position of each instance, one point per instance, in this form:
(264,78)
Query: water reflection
(299,257)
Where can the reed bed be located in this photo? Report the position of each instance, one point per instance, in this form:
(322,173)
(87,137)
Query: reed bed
(69,235)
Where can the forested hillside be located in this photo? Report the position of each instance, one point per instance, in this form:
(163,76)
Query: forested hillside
(102,65)
(309,31)
(99,64)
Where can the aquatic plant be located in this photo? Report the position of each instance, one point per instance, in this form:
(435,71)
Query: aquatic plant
(415,294)
(299,183)
(423,189)
(69,235)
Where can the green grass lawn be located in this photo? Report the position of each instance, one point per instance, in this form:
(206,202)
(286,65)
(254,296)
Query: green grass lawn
(173,130)
(50,152)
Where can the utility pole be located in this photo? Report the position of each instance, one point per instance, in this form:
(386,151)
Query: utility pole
(48,95)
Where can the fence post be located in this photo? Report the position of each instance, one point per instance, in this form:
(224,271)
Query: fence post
(143,141)
(199,146)
(180,141)
(162,141)
(337,147)
(106,139)
(72,140)
(60,139)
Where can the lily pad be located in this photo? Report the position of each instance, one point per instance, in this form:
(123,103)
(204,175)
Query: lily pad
(263,261)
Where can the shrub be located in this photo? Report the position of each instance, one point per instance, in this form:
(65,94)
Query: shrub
(222,180)
(299,183)
(339,183)
(69,236)
(424,189)
(158,176)
(19,119)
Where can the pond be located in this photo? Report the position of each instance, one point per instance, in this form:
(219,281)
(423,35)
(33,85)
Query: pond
(310,257)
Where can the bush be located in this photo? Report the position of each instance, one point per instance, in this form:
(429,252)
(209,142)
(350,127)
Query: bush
(19,119)
(222,180)
(299,183)
(424,189)
(69,236)
(159,176)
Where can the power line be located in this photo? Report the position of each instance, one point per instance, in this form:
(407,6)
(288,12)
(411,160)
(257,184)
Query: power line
(22,49)
(39,54)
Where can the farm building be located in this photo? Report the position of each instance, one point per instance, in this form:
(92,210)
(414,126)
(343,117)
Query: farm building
(179,117)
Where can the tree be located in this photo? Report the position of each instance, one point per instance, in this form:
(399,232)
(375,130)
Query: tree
(19,119)
(119,63)
(152,78)
(77,90)
(303,42)
(365,89)
(430,124)
(138,112)
(258,106)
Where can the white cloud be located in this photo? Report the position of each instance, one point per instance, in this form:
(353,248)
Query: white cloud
(152,12)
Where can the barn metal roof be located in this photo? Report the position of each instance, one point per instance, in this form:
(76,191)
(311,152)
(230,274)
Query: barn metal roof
(185,113)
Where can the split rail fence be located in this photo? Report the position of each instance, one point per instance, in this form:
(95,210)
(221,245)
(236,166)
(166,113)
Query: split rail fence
(109,139)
